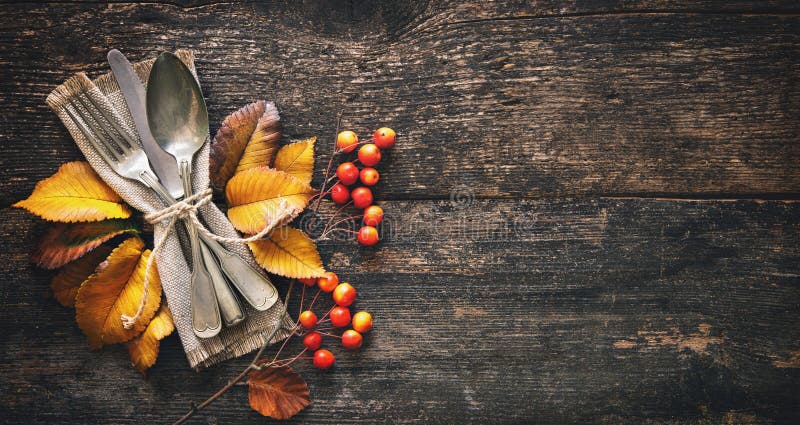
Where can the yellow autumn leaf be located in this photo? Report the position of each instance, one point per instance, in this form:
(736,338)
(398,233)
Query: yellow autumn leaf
(144,348)
(297,159)
(74,193)
(263,196)
(288,252)
(66,283)
(115,289)
(247,139)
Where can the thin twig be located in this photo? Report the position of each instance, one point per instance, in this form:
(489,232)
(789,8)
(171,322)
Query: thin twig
(234,381)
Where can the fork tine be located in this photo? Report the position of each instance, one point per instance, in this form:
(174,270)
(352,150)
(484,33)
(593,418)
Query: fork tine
(91,138)
(100,136)
(99,121)
(132,144)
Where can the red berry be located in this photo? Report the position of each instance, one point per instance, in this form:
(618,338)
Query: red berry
(340,194)
(368,236)
(373,215)
(308,282)
(384,137)
(362,321)
(340,316)
(369,155)
(308,319)
(347,173)
(362,197)
(344,294)
(312,340)
(352,340)
(323,359)
(328,282)
(346,141)
(369,176)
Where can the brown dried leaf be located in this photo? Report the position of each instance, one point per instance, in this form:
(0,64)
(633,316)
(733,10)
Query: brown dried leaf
(278,392)
(116,289)
(247,139)
(66,283)
(144,348)
(66,242)
(297,159)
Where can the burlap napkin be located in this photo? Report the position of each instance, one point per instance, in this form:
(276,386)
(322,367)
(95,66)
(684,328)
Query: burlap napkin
(172,266)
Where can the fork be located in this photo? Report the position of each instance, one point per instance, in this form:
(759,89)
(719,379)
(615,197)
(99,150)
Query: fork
(128,159)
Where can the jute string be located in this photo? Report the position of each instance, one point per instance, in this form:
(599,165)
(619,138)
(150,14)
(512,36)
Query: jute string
(186,209)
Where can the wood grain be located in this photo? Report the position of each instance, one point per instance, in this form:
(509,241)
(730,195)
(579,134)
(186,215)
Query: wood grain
(552,252)
(589,309)
(673,104)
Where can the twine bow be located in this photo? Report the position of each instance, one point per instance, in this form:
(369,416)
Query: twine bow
(186,209)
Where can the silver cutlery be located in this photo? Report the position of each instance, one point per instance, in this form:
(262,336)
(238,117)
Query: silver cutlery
(166,170)
(127,159)
(133,90)
(178,120)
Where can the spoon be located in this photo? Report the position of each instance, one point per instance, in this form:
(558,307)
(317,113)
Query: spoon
(178,121)
(256,289)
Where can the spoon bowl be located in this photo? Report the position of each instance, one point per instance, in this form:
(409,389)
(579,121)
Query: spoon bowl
(176,110)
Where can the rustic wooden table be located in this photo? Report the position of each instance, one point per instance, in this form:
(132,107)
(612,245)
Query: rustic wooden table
(594,206)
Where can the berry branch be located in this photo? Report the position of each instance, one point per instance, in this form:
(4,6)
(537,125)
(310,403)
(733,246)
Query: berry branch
(343,294)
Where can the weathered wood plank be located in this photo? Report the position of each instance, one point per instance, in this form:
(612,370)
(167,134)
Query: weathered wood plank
(506,311)
(694,105)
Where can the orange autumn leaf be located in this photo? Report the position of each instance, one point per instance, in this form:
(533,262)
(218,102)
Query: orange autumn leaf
(277,392)
(66,242)
(144,348)
(297,159)
(288,252)
(74,193)
(247,139)
(115,289)
(66,283)
(264,196)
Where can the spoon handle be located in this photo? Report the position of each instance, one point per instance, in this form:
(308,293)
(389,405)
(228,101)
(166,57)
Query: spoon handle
(225,298)
(256,288)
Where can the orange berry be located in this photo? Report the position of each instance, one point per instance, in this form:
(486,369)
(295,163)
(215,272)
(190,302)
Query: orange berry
(384,137)
(346,141)
(308,319)
(347,172)
(340,316)
(373,215)
(369,155)
(362,321)
(323,359)
(328,282)
(362,197)
(340,194)
(368,236)
(308,282)
(312,340)
(352,340)
(369,176)
(344,294)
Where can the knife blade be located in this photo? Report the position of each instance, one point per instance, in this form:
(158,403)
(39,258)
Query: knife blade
(133,90)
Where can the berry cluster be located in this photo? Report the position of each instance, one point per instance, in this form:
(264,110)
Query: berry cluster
(349,174)
(344,294)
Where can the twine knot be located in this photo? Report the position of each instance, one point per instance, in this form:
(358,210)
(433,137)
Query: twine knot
(186,209)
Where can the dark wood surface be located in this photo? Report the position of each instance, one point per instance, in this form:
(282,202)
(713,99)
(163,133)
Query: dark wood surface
(592,205)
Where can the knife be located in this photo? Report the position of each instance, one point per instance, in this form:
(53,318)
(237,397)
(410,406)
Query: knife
(135,96)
